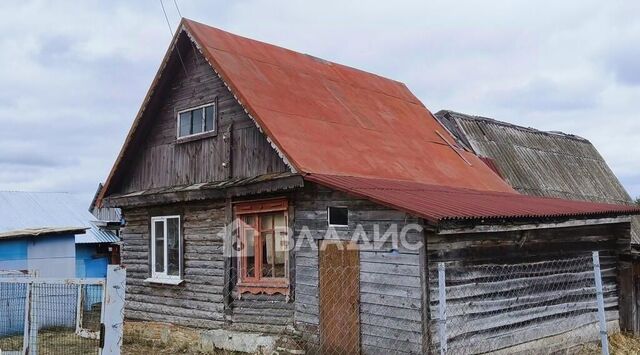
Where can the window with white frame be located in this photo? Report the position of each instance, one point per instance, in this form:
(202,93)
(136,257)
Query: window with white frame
(197,120)
(166,248)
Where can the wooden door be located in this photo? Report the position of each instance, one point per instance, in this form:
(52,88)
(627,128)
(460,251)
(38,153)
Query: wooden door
(339,297)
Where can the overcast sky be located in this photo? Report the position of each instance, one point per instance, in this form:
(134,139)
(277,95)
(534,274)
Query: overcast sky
(73,73)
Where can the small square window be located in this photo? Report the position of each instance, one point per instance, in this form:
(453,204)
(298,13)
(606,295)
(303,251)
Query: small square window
(197,120)
(338,216)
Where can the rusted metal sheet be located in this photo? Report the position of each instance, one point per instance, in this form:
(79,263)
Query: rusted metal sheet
(332,119)
(439,203)
(541,163)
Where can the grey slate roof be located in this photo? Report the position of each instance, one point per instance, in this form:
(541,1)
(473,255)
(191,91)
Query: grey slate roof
(540,163)
(48,212)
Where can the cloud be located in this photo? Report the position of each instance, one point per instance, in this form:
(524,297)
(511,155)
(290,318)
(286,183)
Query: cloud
(73,73)
(541,94)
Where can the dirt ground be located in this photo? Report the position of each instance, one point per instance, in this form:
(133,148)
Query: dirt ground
(156,338)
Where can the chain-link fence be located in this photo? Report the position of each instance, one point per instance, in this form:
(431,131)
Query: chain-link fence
(342,300)
(538,306)
(53,316)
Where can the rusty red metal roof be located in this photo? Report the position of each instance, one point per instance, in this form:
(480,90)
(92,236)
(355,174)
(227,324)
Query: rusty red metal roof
(440,203)
(328,118)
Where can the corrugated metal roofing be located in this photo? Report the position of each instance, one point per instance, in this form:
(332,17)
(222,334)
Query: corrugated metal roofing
(328,118)
(539,163)
(21,211)
(439,203)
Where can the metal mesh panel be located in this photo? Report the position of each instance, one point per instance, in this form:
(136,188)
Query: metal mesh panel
(58,316)
(536,306)
(12,316)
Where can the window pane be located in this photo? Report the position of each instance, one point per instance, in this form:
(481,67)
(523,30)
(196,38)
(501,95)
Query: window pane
(338,216)
(266,222)
(281,247)
(196,121)
(159,244)
(209,124)
(249,249)
(185,124)
(268,254)
(173,246)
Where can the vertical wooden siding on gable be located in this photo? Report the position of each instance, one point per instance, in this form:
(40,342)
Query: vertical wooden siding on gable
(161,162)
(390,283)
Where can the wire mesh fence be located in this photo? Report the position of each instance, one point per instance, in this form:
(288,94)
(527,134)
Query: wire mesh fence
(54,316)
(341,301)
(540,306)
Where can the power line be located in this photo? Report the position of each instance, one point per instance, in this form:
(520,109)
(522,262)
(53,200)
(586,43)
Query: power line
(175,2)
(171,31)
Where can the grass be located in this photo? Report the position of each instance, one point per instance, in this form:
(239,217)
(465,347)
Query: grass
(55,341)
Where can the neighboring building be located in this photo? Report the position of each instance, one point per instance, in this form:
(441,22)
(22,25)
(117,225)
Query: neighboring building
(539,163)
(233,130)
(51,235)
(106,217)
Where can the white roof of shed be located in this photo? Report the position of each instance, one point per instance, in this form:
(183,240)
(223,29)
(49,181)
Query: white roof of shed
(20,211)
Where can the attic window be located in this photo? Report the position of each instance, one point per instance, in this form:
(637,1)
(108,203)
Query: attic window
(338,216)
(197,120)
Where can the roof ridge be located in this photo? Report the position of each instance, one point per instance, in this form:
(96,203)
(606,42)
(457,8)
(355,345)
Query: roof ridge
(514,126)
(292,51)
(415,101)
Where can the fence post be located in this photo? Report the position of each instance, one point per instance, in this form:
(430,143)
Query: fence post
(442,309)
(34,322)
(112,317)
(601,317)
(27,319)
(79,309)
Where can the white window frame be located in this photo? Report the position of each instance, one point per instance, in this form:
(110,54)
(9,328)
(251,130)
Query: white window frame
(215,123)
(329,217)
(164,277)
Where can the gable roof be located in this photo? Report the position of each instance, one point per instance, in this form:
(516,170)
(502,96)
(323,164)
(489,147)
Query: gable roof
(328,118)
(24,214)
(539,163)
(536,162)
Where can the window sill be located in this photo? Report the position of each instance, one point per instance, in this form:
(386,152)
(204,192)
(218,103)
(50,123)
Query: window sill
(163,281)
(196,137)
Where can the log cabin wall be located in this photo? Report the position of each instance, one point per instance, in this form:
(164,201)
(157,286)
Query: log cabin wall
(161,161)
(198,301)
(466,254)
(391,283)
(205,298)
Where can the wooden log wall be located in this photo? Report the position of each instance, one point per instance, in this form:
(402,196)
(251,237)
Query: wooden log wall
(160,161)
(200,300)
(511,289)
(391,283)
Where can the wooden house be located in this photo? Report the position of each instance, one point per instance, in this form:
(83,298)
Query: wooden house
(239,142)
